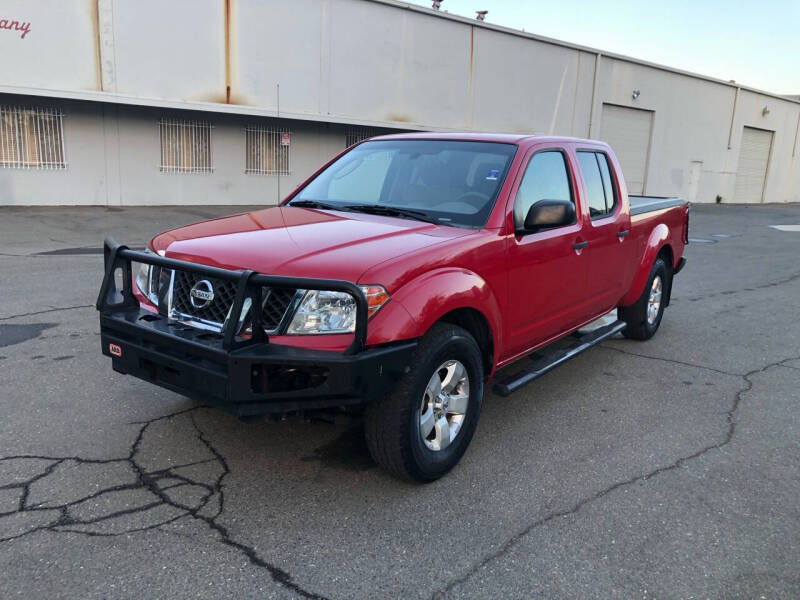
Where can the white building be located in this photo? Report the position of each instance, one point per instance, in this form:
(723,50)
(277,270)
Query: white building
(123,102)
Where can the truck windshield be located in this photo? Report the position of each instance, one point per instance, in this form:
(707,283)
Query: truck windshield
(444,182)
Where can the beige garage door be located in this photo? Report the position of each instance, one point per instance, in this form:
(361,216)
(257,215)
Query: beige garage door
(627,131)
(753,162)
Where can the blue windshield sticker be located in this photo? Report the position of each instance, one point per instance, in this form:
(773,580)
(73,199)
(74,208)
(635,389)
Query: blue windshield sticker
(493,175)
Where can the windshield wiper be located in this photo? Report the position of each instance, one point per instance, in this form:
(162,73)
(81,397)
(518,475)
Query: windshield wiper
(314,204)
(392,211)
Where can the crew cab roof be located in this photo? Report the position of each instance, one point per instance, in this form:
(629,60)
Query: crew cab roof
(507,138)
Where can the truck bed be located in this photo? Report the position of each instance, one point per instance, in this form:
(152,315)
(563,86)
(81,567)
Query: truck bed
(645,204)
(661,218)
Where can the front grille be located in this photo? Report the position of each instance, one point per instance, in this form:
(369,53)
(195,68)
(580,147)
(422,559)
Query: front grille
(277,300)
(276,304)
(217,309)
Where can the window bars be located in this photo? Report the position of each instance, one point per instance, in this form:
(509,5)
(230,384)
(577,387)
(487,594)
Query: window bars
(31,138)
(185,146)
(357,134)
(267,150)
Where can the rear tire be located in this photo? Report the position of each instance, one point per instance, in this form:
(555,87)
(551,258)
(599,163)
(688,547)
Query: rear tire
(644,316)
(421,430)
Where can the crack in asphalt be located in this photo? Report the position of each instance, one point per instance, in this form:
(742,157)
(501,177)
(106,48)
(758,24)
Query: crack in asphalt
(671,360)
(34,255)
(73,251)
(156,482)
(508,545)
(49,310)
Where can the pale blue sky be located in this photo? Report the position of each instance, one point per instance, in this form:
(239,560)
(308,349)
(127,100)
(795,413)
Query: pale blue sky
(757,43)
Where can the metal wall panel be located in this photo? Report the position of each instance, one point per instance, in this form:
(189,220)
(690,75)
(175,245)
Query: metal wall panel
(627,131)
(523,86)
(751,173)
(397,66)
(172,49)
(59,50)
(278,44)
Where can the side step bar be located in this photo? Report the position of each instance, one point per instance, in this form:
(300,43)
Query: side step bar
(543,363)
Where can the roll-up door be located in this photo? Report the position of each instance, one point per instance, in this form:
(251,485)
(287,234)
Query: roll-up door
(627,131)
(751,174)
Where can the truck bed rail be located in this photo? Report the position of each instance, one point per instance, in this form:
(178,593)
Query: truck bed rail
(645,204)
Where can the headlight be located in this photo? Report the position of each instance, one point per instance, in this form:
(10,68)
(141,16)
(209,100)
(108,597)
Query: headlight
(147,280)
(333,312)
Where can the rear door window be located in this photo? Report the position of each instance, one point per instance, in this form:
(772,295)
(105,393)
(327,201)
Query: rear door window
(601,197)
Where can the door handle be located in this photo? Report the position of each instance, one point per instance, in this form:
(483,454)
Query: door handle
(579,245)
(622,234)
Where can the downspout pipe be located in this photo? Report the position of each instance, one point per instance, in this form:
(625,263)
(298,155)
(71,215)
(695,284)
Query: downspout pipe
(594,93)
(733,115)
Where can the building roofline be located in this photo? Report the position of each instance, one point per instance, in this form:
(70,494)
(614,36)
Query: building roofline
(554,42)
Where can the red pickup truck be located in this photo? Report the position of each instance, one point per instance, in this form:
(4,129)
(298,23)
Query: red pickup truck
(396,281)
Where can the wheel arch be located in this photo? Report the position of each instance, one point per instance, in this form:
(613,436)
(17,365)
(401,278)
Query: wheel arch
(460,297)
(668,255)
(657,245)
(476,323)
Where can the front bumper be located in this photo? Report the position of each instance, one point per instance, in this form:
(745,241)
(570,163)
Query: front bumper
(255,379)
(242,376)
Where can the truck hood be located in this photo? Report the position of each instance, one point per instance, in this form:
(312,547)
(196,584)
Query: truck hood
(301,242)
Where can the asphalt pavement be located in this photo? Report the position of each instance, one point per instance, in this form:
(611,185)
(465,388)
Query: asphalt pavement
(660,469)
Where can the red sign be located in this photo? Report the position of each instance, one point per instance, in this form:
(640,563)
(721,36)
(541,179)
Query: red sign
(285,136)
(12,25)
(115,350)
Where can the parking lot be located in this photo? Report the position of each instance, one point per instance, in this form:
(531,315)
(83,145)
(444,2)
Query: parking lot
(664,469)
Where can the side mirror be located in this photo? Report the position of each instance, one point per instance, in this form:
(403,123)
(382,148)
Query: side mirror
(549,213)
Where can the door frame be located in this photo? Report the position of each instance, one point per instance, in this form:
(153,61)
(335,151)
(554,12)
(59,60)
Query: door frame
(769,159)
(649,137)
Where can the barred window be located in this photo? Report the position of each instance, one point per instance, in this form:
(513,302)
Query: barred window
(358,134)
(31,138)
(185,146)
(267,150)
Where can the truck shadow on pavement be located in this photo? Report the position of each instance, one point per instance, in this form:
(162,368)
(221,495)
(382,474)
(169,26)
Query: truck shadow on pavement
(348,451)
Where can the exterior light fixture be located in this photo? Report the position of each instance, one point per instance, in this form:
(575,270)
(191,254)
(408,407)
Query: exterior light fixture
(481,15)
(765,111)
(636,94)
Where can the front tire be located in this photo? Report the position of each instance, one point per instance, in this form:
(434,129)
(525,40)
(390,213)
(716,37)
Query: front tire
(644,316)
(421,430)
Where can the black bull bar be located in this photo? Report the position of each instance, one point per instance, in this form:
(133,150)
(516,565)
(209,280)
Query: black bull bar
(242,375)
